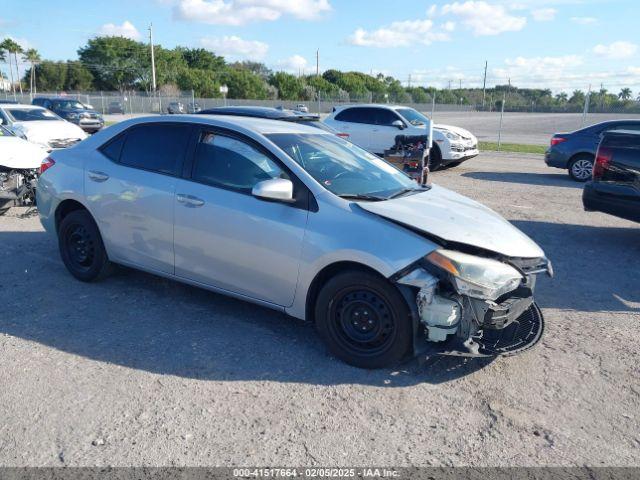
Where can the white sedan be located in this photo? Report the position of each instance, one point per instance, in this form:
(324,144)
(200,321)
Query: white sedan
(375,127)
(40,126)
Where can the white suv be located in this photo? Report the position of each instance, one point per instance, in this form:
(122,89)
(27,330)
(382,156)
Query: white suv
(375,127)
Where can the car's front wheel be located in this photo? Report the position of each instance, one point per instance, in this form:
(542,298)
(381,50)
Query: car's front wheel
(581,168)
(364,320)
(81,247)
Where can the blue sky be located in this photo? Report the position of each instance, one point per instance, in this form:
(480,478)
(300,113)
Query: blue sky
(562,44)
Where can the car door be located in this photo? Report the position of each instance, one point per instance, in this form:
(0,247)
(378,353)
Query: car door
(358,123)
(384,133)
(225,237)
(130,185)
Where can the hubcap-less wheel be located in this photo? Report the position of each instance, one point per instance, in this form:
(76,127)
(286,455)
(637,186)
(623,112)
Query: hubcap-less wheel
(363,323)
(81,247)
(582,169)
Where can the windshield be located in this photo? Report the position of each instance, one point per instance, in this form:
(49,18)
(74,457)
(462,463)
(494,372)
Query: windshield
(68,105)
(31,114)
(4,132)
(318,124)
(414,117)
(343,168)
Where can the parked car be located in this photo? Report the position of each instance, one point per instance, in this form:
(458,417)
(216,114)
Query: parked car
(115,107)
(19,164)
(301,107)
(40,126)
(615,184)
(72,111)
(576,151)
(193,108)
(301,221)
(175,108)
(274,114)
(375,127)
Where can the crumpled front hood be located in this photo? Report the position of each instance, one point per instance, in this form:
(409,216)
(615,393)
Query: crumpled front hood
(460,131)
(455,218)
(20,154)
(41,131)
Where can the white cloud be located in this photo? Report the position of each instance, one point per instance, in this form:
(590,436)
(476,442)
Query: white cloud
(295,64)
(401,34)
(127,29)
(484,18)
(236,47)
(544,14)
(584,20)
(541,72)
(616,50)
(241,12)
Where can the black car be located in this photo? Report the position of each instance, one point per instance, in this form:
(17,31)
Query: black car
(615,187)
(175,108)
(115,107)
(576,151)
(274,114)
(73,111)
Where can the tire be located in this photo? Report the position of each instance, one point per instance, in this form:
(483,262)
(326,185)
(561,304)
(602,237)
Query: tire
(364,320)
(81,247)
(435,158)
(581,168)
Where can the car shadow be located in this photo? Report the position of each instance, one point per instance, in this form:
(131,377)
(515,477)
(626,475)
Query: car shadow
(543,179)
(595,267)
(141,321)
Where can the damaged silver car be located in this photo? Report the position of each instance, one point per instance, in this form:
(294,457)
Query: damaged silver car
(298,220)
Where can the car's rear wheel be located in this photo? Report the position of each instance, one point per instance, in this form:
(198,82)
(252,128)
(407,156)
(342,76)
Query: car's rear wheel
(581,168)
(81,247)
(364,320)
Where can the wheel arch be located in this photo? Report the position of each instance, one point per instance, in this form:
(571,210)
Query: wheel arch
(67,206)
(577,155)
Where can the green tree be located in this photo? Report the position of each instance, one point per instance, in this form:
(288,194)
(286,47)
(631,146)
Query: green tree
(116,63)
(625,94)
(204,83)
(201,59)
(577,97)
(33,57)
(52,76)
(289,86)
(243,84)
(257,68)
(12,47)
(78,77)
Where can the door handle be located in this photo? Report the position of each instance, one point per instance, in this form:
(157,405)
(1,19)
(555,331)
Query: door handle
(189,200)
(98,176)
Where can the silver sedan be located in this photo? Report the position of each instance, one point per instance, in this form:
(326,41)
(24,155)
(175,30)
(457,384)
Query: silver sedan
(299,220)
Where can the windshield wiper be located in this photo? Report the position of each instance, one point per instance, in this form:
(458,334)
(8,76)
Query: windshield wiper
(356,196)
(406,191)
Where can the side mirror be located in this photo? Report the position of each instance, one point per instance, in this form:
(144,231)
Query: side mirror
(278,189)
(398,124)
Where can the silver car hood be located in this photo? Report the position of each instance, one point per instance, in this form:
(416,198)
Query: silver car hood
(455,218)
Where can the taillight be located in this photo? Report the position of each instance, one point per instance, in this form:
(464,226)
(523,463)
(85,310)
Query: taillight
(557,140)
(46,164)
(603,158)
(343,135)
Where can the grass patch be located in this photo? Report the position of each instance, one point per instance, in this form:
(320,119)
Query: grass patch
(109,123)
(513,147)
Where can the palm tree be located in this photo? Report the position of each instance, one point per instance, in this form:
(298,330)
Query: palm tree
(33,57)
(562,97)
(625,94)
(5,47)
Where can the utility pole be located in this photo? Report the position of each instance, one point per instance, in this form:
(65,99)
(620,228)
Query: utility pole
(153,59)
(449,84)
(409,82)
(484,84)
(459,84)
(586,106)
(317,62)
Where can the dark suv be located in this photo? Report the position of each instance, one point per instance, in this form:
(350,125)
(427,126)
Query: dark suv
(576,151)
(73,111)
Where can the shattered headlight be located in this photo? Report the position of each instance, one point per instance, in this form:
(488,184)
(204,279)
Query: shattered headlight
(474,276)
(453,136)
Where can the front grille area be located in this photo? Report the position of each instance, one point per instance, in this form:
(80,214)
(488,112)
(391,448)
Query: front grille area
(531,265)
(518,336)
(63,142)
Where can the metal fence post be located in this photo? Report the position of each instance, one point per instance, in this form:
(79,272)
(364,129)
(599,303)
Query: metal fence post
(587,99)
(504,98)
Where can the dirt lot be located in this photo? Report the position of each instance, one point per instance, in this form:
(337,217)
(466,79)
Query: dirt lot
(138,370)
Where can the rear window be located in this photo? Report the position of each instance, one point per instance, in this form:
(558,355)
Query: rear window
(158,148)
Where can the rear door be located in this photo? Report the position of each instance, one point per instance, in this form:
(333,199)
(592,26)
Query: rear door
(130,185)
(358,123)
(229,239)
(384,133)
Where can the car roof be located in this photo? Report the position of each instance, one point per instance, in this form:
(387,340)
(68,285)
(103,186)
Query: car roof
(22,106)
(369,105)
(622,131)
(261,126)
(57,98)
(259,112)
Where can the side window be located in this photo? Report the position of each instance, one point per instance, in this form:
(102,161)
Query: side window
(629,126)
(159,148)
(356,115)
(227,162)
(385,117)
(113,148)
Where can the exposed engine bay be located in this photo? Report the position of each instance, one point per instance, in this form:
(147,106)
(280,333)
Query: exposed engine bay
(472,305)
(17,188)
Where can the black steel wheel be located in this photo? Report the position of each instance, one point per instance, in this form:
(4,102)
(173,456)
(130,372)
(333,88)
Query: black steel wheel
(81,247)
(435,158)
(364,320)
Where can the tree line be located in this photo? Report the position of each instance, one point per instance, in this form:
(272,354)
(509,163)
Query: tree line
(121,64)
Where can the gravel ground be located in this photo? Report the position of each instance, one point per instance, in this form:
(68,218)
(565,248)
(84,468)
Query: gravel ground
(138,370)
